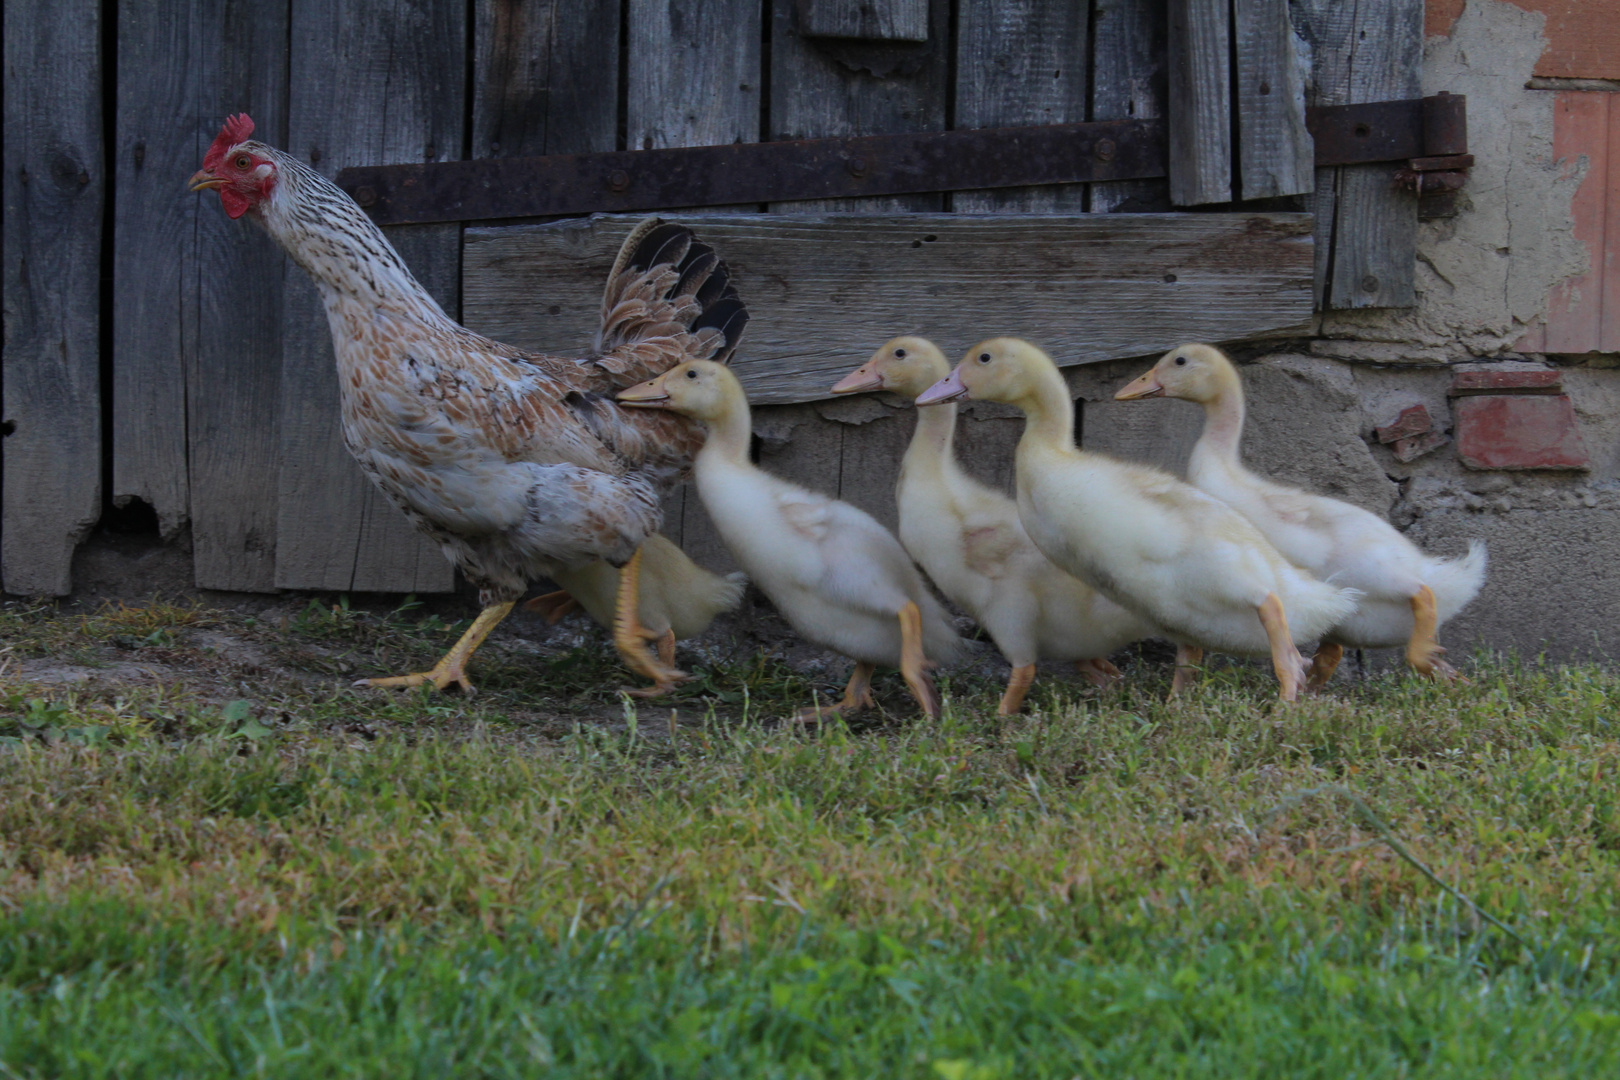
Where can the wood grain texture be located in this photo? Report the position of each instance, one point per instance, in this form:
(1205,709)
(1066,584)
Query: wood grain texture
(1276,155)
(1200,45)
(826,292)
(376,84)
(1367,229)
(823,88)
(1129,80)
(1575,309)
(197,343)
(54,192)
(1606,258)
(1021,62)
(871,20)
(545,77)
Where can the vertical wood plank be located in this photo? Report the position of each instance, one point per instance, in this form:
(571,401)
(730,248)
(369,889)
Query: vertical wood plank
(873,20)
(54,192)
(545,77)
(1575,310)
(1200,46)
(1367,229)
(1021,62)
(196,296)
(1129,81)
(1276,155)
(1606,260)
(377,81)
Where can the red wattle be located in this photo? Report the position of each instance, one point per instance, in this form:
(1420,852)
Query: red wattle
(236,204)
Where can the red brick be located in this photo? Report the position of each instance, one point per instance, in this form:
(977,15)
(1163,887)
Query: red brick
(1529,381)
(1414,420)
(1415,446)
(1511,432)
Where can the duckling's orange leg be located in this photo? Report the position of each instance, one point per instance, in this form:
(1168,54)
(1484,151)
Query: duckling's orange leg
(452,667)
(630,637)
(666,648)
(1099,672)
(913,664)
(1323,665)
(1188,657)
(1017,686)
(1285,658)
(553,606)
(857,696)
(1423,651)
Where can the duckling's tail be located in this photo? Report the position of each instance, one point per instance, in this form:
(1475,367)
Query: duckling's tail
(1314,607)
(1456,581)
(941,644)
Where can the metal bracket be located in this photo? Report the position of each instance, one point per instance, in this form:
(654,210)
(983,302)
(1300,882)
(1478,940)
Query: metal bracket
(1419,131)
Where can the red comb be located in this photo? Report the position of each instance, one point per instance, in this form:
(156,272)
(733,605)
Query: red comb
(237,129)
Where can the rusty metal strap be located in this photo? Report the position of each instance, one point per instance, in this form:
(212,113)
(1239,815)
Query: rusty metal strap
(633,180)
(628,181)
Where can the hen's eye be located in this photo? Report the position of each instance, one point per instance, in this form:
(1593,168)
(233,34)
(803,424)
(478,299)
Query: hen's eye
(691,373)
(899,354)
(1181,361)
(244,162)
(984,358)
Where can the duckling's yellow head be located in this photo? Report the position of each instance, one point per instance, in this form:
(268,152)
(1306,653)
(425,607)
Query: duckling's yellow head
(701,389)
(906,365)
(1200,373)
(1000,369)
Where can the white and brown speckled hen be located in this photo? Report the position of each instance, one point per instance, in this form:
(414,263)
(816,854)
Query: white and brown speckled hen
(517,464)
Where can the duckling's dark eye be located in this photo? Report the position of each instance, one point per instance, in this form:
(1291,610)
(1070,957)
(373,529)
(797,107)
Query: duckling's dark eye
(244,162)
(691,373)
(1181,361)
(899,354)
(984,358)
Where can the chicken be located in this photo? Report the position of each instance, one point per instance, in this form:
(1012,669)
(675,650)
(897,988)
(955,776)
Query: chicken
(518,465)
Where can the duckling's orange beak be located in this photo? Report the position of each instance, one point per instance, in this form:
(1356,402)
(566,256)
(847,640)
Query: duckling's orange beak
(861,379)
(203,180)
(648,395)
(1145,387)
(950,388)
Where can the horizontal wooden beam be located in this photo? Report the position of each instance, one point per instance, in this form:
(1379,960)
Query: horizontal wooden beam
(826,291)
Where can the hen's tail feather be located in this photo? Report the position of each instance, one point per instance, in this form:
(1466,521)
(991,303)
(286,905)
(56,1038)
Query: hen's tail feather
(669,298)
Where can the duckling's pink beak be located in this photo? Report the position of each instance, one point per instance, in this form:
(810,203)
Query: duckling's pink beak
(859,380)
(1145,387)
(950,388)
(648,395)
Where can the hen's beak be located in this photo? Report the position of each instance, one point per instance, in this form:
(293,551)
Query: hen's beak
(203,180)
(648,395)
(950,388)
(858,380)
(1145,387)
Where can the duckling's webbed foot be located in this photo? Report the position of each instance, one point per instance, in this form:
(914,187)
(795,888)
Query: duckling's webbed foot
(1188,658)
(630,637)
(1323,665)
(1423,651)
(1285,658)
(857,696)
(452,666)
(1099,672)
(553,606)
(1017,686)
(914,664)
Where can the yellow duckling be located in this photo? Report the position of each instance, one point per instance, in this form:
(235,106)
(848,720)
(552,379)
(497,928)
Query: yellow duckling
(1181,559)
(841,579)
(969,541)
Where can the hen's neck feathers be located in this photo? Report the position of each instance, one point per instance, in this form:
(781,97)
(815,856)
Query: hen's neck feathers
(325,232)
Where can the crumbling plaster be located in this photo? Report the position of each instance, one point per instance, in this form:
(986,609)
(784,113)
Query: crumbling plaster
(1483,276)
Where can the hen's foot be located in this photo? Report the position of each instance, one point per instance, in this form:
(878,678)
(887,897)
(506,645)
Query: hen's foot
(1323,665)
(452,667)
(857,696)
(630,637)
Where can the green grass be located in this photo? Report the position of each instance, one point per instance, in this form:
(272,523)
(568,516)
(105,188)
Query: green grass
(260,876)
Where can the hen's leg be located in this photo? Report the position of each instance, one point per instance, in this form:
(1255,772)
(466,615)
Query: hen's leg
(553,606)
(913,664)
(1017,686)
(1285,658)
(1323,664)
(1188,657)
(630,637)
(1099,672)
(857,696)
(452,667)
(1423,651)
